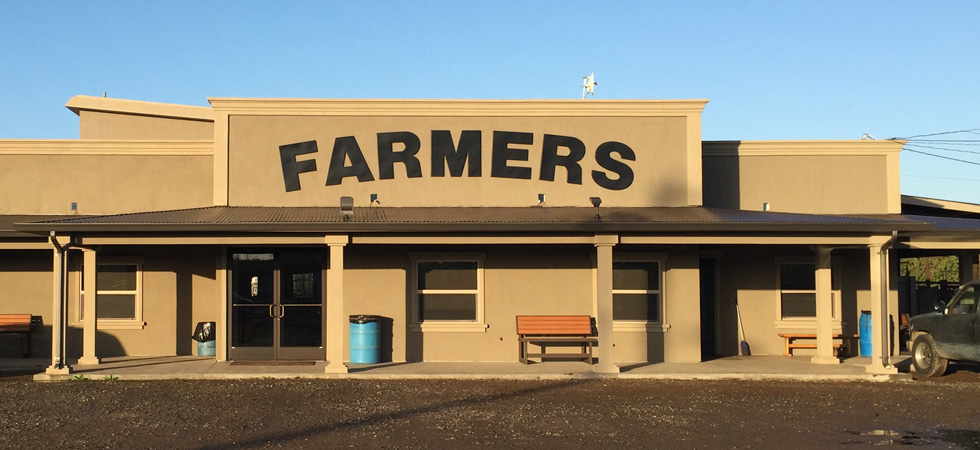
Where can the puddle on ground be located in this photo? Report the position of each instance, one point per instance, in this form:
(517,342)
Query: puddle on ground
(966,439)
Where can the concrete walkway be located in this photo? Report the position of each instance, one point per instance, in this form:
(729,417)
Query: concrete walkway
(198,368)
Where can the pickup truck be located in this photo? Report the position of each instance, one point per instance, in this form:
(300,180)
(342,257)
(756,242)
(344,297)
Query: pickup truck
(952,333)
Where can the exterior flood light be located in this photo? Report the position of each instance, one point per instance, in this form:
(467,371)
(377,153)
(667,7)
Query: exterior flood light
(346,207)
(596,201)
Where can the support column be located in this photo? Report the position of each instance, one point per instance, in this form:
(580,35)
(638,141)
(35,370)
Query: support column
(604,302)
(58,366)
(89,324)
(336,320)
(825,332)
(224,305)
(878,266)
(966,260)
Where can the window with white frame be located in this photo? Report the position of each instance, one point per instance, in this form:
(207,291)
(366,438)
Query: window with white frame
(448,291)
(797,291)
(119,302)
(636,291)
(797,303)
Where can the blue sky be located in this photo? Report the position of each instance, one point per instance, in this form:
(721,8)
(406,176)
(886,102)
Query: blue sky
(771,69)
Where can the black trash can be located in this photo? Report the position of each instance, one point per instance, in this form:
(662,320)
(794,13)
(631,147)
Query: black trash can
(204,335)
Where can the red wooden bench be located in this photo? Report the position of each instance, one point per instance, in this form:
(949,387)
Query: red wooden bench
(18,325)
(555,331)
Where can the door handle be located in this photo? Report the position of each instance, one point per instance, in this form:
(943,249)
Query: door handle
(270,311)
(282,311)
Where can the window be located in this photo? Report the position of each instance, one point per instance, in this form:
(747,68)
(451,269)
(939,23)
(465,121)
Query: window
(119,296)
(448,293)
(118,289)
(636,291)
(966,303)
(797,291)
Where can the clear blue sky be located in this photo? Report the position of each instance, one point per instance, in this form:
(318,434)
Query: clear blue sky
(771,69)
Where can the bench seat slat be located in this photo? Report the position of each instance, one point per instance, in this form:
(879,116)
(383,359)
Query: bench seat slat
(558,325)
(15,322)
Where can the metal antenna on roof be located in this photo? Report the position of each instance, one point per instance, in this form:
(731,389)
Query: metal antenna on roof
(588,85)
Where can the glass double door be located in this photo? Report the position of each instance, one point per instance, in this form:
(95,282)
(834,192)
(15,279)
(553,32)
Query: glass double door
(276,305)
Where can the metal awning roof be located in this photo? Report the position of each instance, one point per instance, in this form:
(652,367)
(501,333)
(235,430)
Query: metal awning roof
(942,225)
(8,230)
(242,219)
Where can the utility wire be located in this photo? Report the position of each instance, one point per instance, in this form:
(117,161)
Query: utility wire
(941,178)
(971,131)
(942,149)
(943,157)
(949,141)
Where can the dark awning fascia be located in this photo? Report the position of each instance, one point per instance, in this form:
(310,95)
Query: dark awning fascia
(659,220)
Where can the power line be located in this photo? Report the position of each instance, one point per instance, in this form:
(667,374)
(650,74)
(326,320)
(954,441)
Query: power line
(942,149)
(971,131)
(941,178)
(942,157)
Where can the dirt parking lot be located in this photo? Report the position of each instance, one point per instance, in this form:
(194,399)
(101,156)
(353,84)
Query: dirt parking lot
(591,413)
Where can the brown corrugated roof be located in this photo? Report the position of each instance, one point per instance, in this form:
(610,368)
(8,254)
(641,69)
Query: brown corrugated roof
(943,225)
(220,219)
(8,230)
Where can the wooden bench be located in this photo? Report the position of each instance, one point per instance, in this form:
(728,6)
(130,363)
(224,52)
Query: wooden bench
(555,331)
(18,325)
(790,338)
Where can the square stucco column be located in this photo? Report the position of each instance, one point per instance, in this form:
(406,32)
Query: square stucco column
(604,302)
(682,340)
(336,320)
(89,323)
(878,265)
(58,366)
(825,332)
(224,304)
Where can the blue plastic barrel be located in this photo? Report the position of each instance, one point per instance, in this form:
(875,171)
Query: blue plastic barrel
(365,340)
(205,348)
(865,334)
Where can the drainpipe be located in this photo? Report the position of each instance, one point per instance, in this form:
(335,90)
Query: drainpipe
(883,320)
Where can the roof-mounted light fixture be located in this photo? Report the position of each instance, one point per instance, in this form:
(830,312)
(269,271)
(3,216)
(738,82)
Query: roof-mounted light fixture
(596,201)
(346,207)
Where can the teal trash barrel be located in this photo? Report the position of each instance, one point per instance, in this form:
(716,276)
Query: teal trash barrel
(865,339)
(205,348)
(365,340)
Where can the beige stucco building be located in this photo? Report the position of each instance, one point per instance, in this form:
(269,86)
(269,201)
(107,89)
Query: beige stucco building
(464,215)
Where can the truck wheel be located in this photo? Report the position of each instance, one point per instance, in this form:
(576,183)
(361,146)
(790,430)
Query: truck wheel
(926,359)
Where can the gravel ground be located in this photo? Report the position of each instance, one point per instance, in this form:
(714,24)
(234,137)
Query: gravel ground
(596,413)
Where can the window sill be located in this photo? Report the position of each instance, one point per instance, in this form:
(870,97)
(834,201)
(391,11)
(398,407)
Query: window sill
(114,325)
(449,327)
(641,327)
